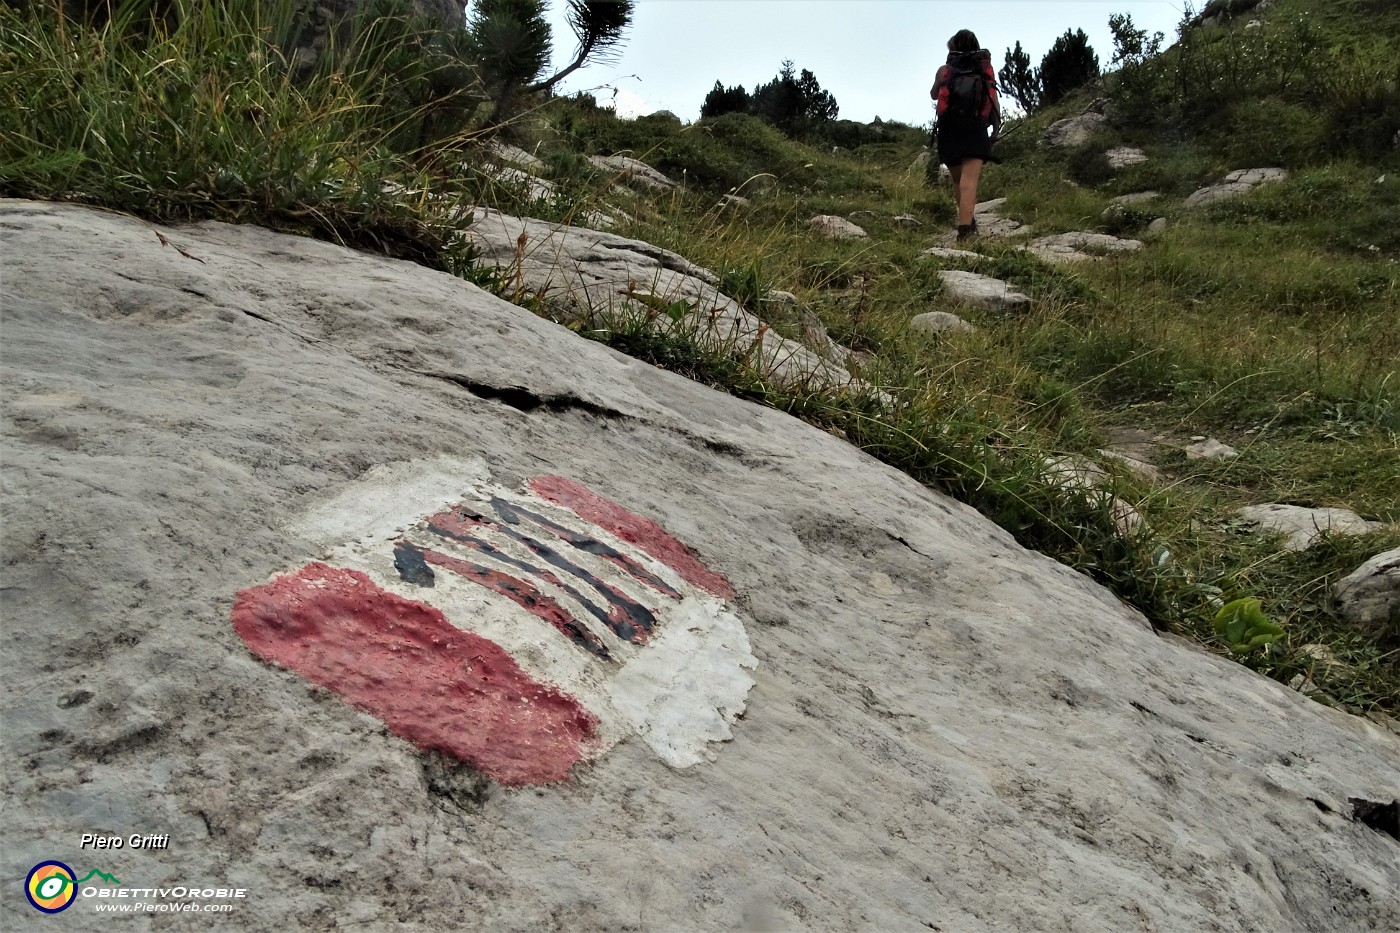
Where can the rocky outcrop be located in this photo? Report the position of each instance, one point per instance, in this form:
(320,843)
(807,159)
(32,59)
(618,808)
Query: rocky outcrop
(323,23)
(1369,596)
(224,448)
(1235,184)
(1302,527)
(1073,131)
(990,223)
(580,273)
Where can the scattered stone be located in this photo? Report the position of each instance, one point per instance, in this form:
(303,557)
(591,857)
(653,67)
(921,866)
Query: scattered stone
(1235,184)
(1209,449)
(1157,225)
(1136,197)
(1123,156)
(940,322)
(633,172)
(513,155)
(1141,468)
(782,299)
(863,216)
(983,291)
(1369,596)
(735,201)
(1078,474)
(1079,246)
(1303,526)
(946,252)
(990,223)
(906,220)
(664,115)
(1073,131)
(833,227)
(920,162)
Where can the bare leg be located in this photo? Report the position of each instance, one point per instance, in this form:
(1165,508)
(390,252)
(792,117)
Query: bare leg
(965,178)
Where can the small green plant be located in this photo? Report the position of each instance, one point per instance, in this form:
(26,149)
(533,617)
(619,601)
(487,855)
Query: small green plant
(1244,626)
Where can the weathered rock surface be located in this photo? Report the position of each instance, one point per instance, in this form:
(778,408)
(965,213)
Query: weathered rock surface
(1235,184)
(1136,197)
(982,291)
(1089,480)
(513,155)
(949,252)
(634,172)
(577,272)
(836,228)
(1073,131)
(990,223)
(1369,596)
(943,731)
(1079,246)
(1123,156)
(940,322)
(1303,526)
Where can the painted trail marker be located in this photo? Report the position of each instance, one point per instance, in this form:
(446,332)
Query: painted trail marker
(523,631)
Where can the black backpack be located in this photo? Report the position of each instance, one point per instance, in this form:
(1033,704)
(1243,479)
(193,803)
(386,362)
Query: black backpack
(969,90)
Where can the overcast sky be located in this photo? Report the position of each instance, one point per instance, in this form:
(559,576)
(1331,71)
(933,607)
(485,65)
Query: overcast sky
(876,57)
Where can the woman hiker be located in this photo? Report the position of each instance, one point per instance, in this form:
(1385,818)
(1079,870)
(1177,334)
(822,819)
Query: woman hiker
(963,143)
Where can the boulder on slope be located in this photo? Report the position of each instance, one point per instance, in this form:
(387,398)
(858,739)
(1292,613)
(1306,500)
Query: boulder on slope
(940,729)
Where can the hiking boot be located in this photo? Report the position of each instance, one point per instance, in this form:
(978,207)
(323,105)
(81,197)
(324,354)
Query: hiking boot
(966,231)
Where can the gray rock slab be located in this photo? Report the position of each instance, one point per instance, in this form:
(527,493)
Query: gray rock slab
(990,223)
(1369,596)
(634,172)
(982,291)
(1079,246)
(1136,197)
(836,228)
(944,729)
(578,271)
(1301,526)
(1235,184)
(906,220)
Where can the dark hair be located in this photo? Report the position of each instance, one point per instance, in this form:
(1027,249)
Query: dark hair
(965,40)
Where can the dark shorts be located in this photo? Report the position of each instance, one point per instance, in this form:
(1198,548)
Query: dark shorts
(963,139)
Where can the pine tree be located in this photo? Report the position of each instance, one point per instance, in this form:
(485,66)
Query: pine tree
(1070,64)
(1019,81)
(723,100)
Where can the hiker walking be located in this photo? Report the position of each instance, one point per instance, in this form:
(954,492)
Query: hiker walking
(966,93)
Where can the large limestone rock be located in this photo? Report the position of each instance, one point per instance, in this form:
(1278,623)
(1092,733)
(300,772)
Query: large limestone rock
(939,729)
(578,272)
(1235,184)
(1369,596)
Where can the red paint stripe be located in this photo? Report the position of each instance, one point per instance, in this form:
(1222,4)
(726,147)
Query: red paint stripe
(634,529)
(432,683)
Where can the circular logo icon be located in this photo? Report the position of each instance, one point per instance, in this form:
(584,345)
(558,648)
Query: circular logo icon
(50,887)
